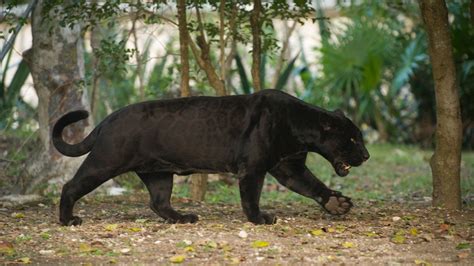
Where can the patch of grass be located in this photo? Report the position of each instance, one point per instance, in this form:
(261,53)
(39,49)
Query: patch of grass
(23,238)
(181,190)
(220,192)
(130,181)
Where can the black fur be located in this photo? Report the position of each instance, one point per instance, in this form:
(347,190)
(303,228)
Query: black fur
(248,135)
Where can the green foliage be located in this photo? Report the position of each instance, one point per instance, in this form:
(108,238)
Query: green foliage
(285,75)
(354,63)
(245,84)
(10,19)
(113,56)
(368,66)
(160,79)
(413,54)
(10,99)
(130,181)
(86,12)
(462,34)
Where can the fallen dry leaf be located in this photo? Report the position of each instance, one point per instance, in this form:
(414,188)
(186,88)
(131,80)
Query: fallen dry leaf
(317,232)
(340,228)
(177,259)
(463,255)
(348,245)
(211,244)
(371,234)
(111,227)
(422,262)
(398,239)
(189,249)
(125,250)
(6,248)
(444,227)
(260,244)
(85,248)
(24,260)
(18,215)
(135,229)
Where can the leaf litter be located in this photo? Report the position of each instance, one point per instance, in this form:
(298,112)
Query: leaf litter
(123,230)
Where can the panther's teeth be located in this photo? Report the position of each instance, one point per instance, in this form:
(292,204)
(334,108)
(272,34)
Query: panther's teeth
(347,167)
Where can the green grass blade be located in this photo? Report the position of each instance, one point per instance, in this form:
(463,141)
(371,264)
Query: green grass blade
(283,79)
(243,75)
(17,82)
(156,75)
(263,63)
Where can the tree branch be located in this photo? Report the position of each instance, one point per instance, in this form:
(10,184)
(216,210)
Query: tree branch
(255,24)
(183,48)
(8,45)
(221,39)
(284,50)
(203,59)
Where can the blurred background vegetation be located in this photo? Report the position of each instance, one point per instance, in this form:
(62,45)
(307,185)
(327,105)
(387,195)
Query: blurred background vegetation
(370,60)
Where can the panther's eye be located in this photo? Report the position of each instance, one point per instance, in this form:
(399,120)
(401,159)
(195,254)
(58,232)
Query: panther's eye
(353,140)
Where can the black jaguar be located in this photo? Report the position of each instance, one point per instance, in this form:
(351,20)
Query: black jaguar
(248,135)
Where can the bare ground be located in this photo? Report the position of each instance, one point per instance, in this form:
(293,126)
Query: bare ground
(123,230)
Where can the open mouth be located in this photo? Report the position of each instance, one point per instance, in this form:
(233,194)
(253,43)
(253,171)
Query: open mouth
(342,168)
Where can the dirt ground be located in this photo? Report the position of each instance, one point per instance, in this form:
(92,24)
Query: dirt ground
(123,230)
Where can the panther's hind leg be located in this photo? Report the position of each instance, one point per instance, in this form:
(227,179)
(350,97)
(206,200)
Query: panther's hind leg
(89,176)
(160,186)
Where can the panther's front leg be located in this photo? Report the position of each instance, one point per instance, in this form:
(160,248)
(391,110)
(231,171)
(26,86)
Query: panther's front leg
(250,189)
(294,175)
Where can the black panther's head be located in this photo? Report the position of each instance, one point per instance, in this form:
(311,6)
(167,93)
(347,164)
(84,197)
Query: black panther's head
(341,143)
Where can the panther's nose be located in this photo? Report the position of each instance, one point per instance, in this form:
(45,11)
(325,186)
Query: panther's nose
(366,156)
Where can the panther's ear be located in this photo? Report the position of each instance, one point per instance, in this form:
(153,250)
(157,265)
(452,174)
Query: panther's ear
(339,112)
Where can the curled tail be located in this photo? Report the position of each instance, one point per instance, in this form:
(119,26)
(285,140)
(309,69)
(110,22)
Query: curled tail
(72,150)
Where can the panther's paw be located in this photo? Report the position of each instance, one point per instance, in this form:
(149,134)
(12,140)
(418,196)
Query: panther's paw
(184,219)
(337,204)
(73,221)
(188,219)
(263,218)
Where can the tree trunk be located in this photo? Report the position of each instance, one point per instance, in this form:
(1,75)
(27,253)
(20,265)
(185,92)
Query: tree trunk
(57,66)
(383,135)
(445,163)
(256,25)
(138,57)
(285,53)
(222,43)
(198,181)
(203,58)
(233,45)
(183,48)
(472,12)
(96,38)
